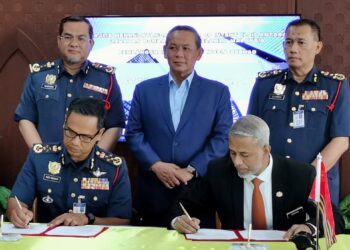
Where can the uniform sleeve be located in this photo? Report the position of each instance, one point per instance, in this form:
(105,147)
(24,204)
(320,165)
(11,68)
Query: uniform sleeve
(120,200)
(340,124)
(24,187)
(253,107)
(27,109)
(115,116)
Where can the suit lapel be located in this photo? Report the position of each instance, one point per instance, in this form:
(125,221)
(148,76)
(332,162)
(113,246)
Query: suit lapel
(164,103)
(278,193)
(237,191)
(193,97)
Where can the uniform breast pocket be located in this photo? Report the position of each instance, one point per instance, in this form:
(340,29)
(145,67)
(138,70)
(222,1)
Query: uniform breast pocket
(316,113)
(275,113)
(47,102)
(97,201)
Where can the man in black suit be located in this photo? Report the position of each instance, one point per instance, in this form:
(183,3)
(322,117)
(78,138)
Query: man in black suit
(228,186)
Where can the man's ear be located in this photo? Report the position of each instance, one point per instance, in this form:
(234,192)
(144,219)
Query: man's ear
(164,52)
(267,149)
(100,133)
(319,47)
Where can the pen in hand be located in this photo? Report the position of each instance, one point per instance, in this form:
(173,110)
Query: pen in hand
(185,212)
(19,205)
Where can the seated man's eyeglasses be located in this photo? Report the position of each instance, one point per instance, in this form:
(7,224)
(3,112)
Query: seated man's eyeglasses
(82,137)
(66,38)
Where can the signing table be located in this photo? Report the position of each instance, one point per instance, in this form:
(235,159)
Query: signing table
(138,238)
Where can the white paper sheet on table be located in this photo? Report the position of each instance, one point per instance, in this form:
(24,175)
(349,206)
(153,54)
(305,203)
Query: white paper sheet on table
(212,234)
(81,231)
(268,235)
(34,229)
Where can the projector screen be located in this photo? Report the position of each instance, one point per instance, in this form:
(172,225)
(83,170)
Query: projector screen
(236,48)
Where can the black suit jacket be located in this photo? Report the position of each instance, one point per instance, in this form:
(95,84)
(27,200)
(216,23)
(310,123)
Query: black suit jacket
(221,190)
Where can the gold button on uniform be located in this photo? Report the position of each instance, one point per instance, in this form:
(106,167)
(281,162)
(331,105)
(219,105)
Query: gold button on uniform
(313,109)
(69,95)
(291,124)
(289,140)
(72,195)
(75,179)
(49,190)
(297,93)
(95,198)
(294,109)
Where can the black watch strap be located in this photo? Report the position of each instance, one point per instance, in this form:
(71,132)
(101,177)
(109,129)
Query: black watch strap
(91,218)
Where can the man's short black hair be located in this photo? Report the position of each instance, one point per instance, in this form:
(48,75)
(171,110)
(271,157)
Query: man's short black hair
(76,19)
(88,107)
(312,24)
(185,28)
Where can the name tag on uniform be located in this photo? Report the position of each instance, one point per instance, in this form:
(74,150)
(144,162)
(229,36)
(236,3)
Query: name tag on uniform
(53,178)
(298,119)
(95,183)
(79,208)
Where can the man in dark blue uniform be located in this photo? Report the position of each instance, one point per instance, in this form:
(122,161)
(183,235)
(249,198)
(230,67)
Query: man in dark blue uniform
(306,109)
(51,86)
(76,183)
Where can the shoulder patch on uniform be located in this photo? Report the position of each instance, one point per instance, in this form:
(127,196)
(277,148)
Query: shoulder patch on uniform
(269,73)
(46,148)
(335,76)
(103,67)
(109,157)
(37,67)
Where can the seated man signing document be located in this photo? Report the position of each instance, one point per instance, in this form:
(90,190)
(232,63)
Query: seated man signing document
(251,186)
(76,183)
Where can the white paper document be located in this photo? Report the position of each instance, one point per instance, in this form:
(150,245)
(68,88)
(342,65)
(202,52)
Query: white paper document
(83,231)
(212,234)
(34,229)
(268,235)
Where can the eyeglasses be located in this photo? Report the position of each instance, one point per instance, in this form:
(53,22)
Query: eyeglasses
(82,137)
(69,39)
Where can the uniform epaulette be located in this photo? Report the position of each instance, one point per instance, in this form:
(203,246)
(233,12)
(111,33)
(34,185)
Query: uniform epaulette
(37,67)
(335,76)
(46,148)
(109,157)
(104,68)
(269,73)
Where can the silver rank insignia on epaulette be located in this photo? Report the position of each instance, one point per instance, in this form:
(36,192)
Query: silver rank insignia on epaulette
(36,67)
(103,67)
(40,148)
(265,74)
(335,76)
(111,158)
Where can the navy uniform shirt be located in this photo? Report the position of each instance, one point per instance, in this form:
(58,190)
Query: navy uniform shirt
(56,181)
(276,96)
(49,89)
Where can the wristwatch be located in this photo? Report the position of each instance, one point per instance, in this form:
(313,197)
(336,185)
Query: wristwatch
(91,218)
(191,170)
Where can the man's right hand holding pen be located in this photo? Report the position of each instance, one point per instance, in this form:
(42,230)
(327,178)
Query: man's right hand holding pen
(19,214)
(184,223)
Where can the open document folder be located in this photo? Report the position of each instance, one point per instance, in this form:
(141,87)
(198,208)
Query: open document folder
(65,231)
(235,235)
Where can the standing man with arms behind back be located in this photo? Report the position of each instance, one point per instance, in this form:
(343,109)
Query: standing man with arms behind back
(51,86)
(306,109)
(178,122)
